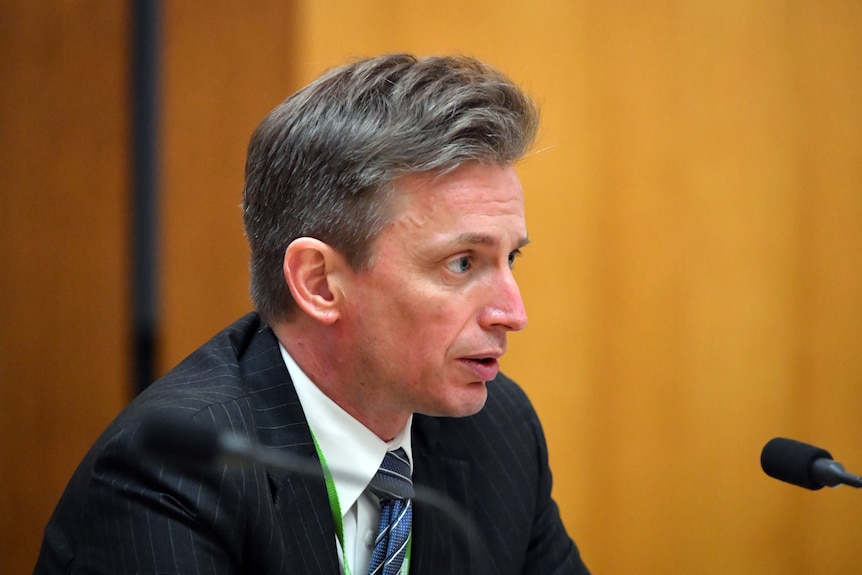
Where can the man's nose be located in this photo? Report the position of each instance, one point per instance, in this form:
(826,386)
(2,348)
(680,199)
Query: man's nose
(504,308)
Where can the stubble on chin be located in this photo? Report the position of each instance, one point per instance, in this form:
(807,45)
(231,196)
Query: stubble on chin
(469,402)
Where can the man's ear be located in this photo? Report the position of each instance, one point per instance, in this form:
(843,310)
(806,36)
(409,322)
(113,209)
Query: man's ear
(311,269)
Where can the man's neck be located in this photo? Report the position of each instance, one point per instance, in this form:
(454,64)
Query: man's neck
(307,351)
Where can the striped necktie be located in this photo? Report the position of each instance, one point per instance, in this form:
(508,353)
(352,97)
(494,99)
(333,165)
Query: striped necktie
(393,486)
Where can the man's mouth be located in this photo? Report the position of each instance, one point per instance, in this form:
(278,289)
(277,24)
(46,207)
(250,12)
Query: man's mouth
(483,368)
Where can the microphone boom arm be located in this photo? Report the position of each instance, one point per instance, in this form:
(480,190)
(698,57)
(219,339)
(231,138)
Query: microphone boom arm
(832,474)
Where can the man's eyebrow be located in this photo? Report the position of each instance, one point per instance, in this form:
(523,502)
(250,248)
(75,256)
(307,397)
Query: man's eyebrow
(486,240)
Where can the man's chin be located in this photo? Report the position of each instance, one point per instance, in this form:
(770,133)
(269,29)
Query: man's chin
(469,401)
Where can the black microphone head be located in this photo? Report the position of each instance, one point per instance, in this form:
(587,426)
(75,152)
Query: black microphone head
(175,437)
(789,460)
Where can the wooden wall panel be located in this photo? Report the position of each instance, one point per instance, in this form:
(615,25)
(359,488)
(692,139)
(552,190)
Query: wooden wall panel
(225,66)
(63,251)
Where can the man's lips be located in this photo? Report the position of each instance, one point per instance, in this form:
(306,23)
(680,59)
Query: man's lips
(485,367)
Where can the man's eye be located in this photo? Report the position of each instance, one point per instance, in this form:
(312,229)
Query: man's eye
(513,256)
(459,265)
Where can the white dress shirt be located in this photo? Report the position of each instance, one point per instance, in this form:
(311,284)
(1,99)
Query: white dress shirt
(353,454)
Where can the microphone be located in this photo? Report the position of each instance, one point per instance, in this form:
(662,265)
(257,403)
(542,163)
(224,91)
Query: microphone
(804,465)
(186,444)
(175,438)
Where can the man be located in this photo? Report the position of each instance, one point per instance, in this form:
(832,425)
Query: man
(384,215)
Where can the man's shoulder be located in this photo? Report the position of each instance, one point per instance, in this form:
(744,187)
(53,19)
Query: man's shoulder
(232,342)
(233,380)
(232,364)
(243,340)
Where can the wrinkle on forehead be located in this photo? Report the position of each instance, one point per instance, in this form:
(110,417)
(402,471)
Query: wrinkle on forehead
(482,204)
(465,186)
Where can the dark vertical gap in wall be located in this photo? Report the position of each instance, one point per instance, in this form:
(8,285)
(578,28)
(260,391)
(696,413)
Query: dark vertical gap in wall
(145,38)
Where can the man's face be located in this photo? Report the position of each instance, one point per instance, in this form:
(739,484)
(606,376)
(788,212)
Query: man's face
(429,318)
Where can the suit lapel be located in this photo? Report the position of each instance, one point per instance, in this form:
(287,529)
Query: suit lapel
(307,525)
(302,503)
(441,531)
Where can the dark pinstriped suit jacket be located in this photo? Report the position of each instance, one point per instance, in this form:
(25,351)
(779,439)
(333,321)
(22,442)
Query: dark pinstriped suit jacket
(125,513)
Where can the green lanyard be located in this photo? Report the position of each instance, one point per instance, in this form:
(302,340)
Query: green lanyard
(337,517)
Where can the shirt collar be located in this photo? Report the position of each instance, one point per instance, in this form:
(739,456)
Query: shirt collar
(352,451)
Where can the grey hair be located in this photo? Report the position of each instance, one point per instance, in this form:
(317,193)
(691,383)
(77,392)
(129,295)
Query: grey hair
(323,163)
